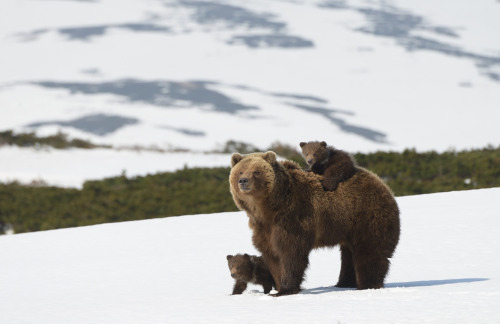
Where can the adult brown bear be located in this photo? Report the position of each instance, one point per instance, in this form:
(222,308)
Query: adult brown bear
(290,214)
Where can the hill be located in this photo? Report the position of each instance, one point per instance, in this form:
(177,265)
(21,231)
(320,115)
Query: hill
(187,74)
(174,270)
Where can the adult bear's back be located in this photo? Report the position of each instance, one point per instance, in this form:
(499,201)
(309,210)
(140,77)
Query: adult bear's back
(361,211)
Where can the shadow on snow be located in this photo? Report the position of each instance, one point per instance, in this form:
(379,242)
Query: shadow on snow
(409,284)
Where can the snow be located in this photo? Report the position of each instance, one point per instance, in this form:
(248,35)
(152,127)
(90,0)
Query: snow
(72,167)
(167,74)
(366,84)
(174,270)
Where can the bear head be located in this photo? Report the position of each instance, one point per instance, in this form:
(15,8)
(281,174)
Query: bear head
(252,175)
(314,152)
(241,267)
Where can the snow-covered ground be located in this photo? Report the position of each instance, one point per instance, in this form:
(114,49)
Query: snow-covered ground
(362,75)
(174,270)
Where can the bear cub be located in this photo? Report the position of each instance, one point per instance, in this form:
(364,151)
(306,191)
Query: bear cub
(334,165)
(249,269)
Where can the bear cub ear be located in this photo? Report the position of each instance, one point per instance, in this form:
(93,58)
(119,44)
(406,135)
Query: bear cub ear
(229,257)
(302,144)
(270,157)
(235,158)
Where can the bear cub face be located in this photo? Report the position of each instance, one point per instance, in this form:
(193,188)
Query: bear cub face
(314,152)
(240,266)
(249,269)
(336,166)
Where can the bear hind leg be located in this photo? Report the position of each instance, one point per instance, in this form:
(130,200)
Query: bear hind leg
(347,277)
(370,271)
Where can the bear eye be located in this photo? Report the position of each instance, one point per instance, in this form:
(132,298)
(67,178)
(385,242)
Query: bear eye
(256,173)
(241,173)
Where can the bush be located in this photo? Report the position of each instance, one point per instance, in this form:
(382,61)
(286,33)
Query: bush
(59,140)
(206,190)
(188,191)
(410,173)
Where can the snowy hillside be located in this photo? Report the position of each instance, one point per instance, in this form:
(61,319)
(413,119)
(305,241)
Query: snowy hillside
(174,270)
(361,74)
(72,167)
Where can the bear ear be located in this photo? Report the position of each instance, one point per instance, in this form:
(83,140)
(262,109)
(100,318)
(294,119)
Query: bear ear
(229,257)
(235,158)
(302,144)
(270,157)
(323,143)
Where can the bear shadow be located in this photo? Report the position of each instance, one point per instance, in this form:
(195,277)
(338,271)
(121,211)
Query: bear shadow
(410,284)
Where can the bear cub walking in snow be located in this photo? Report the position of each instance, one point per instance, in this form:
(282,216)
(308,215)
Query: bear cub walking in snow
(334,165)
(249,269)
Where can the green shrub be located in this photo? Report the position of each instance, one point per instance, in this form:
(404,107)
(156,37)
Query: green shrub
(188,191)
(59,140)
(410,173)
(206,190)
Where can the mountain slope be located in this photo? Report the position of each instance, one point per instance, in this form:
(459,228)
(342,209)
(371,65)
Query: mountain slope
(364,75)
(172,270)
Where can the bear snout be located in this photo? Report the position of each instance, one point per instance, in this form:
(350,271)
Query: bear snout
(310,161)
(243,182)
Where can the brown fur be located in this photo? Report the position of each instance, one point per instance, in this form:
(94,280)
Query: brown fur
(249,269)
(290,214)
(336,166)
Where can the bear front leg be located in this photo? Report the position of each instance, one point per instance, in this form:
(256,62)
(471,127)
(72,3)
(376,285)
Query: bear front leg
(274,268)
(239,287)
(294,259)
(292,274)
(331,180)
(267,288)
(330,184)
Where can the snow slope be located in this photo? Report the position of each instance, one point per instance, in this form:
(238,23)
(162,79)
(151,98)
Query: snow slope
(364,75)
(72,167)
(173,270)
